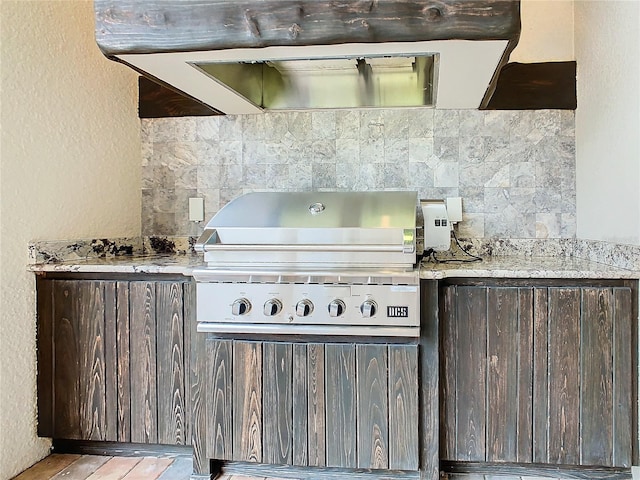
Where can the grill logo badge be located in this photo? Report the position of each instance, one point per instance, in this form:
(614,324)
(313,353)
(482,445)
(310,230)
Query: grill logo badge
(397,312)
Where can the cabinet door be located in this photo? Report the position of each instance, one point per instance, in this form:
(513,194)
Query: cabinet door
(335,405)
(537,375)
(112,361)
(83,355)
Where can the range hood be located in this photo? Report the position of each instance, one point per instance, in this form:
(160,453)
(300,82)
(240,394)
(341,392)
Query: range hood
(329,82)
(242,57)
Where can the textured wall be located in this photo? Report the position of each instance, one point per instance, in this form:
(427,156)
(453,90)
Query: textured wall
(514,170)
(70,169)
(547,31)
(608,120)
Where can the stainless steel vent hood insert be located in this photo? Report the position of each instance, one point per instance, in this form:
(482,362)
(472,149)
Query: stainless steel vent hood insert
(399,81)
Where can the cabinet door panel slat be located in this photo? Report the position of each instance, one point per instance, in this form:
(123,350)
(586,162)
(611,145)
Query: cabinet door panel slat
(448,368)
(123,363)
(247,401)
(300,417)
(596,377)
(341,405)
(144,394)
(471,371)
(502,364)
(277,404)
(403,407)
(316,406)
(219,399)
(524,374)
(372,410)
(622,377)
(564,375)
(540,429)
(170,364)
(198,382)
(110,362)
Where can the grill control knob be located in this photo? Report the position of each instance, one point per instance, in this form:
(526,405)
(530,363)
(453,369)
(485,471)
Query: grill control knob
(336,308)
(304,308)
(272,307)
(241,306)
(368,308)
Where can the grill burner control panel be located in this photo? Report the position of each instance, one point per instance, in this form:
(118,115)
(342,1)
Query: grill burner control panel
(308,308)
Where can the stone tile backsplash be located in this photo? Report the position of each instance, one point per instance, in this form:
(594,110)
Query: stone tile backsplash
(515,170)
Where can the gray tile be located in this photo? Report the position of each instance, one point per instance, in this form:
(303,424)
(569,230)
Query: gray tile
(230,127)
(348,124)
(323,175)
(420,149)
(497,123)
(472,123)
(446,148)
(323,125)
(347,150)
(396,175)
(396,124)
(548,225)
(514,169)
(396,150)
(472,225)
(324,150)
(446,175)
(253,127)
(522,174)
(207,128)
(472,199)
(172,130)
(372,150)
(299,125)
(446,123)
(420,122)
(420,176)
(371,125)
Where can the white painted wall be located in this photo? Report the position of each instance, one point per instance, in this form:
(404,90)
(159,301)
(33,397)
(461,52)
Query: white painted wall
(608,120)
(69,169)
(547,32)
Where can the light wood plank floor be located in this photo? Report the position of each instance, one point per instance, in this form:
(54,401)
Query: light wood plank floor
(60,466)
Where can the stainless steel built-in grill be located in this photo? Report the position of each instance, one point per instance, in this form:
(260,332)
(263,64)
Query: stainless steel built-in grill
(311,263)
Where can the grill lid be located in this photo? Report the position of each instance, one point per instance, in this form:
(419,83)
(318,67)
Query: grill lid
(358,228)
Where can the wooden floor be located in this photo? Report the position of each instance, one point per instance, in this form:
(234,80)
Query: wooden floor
(96,467)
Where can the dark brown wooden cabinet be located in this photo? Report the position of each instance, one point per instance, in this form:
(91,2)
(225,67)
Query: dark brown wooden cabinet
(114,360)
(538,374)
(313,404)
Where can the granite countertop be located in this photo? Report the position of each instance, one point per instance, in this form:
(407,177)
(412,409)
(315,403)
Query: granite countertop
(490,267)
(525,267)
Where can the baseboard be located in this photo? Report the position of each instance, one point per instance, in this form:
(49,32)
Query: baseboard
(85,447)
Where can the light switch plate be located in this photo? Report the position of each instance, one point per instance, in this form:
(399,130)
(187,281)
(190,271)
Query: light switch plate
(454,209)
(196,209)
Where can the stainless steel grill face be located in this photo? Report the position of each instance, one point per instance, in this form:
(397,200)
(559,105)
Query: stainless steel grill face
(327,263)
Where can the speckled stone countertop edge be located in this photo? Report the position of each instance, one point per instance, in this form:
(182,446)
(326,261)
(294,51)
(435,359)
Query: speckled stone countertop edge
(490,267)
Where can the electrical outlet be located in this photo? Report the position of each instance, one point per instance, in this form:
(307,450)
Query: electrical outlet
(196,209)
(454,209)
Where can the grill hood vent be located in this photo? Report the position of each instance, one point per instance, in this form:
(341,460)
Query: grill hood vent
(244,57)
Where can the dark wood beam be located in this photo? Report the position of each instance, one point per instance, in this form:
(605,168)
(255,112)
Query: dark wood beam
(534,86)
(132,26)
(156,100)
